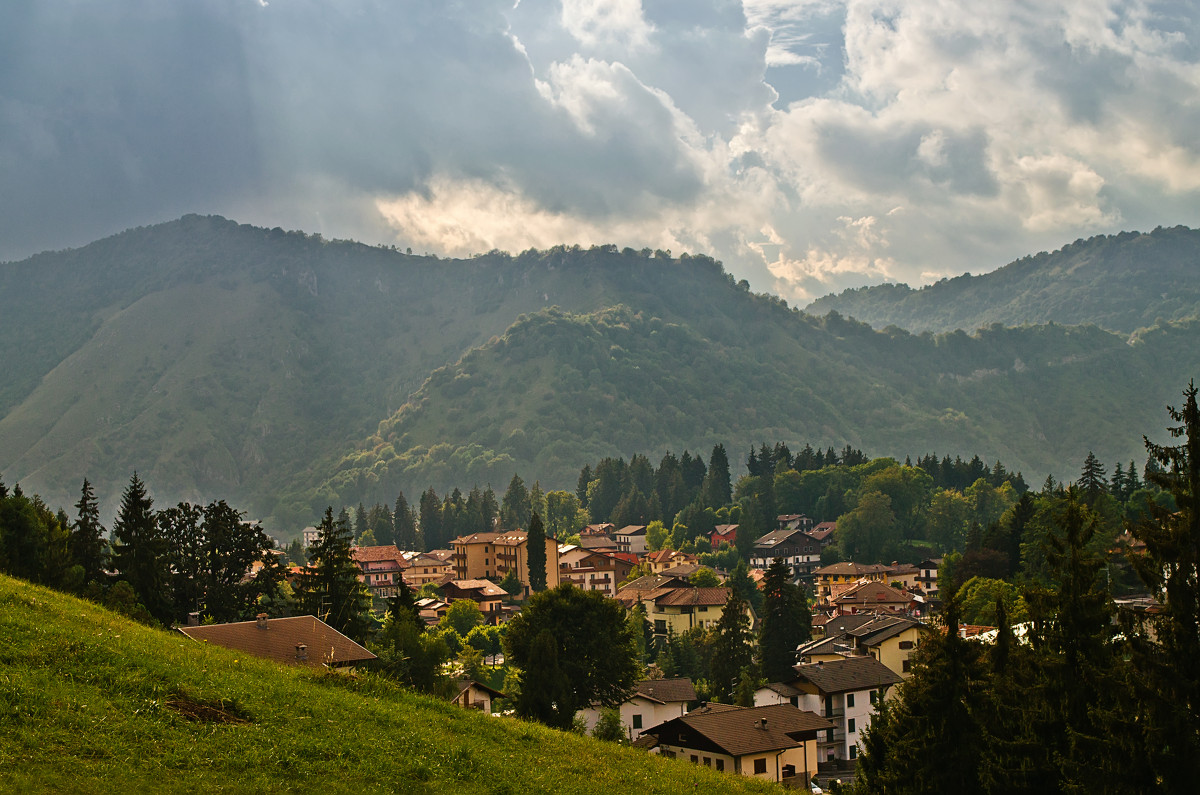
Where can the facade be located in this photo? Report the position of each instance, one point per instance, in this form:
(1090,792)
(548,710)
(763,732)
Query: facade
(672,604)
(486,594)
(775,743)
(723,533)
(594,571)
(427,568)
(834,579)
(475,695)
(665,559)
(655,701)
(927,579)
(490,556)
(381,567)
(891,639)
(844,692)
(631,539)
(794,521)
(794,547)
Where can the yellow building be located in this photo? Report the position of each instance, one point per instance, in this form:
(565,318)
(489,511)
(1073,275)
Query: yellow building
(426,568)
(672,603)
(834,579)
(490,556)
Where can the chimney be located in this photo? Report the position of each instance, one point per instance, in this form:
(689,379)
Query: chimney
(193,619)
(761,724)
(262,620)
(301,652)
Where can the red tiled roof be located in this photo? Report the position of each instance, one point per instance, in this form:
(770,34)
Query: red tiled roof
(382,552)
(677,597)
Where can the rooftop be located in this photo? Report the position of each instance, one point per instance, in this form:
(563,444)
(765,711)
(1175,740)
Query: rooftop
(738,731)
(665,690)
(841,676)
(277,638)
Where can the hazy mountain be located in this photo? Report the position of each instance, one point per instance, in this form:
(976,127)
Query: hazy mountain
(1121,282)
(274,370)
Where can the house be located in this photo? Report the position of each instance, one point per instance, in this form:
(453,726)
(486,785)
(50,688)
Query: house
(428,568)
(927,579)
(844,692)
(382,568)
(475,695)
(631,539)
(891,639)
(796,548)
(723,532)
(665,559)
(823,532)
(868,596)
(794,521)
(488,556)
(309,536)
(904,576)
(486,594)
(299,640)
(832,580)
(431,610)
(599,543)
(654,701)
(676,605)
(594,571)
(777,742)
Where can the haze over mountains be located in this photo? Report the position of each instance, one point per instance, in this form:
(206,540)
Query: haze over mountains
(282,372)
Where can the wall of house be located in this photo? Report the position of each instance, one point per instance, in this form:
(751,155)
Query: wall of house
(706,758)
(890,654)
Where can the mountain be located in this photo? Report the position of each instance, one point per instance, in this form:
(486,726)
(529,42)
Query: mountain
(283,372)
(94,702)
(1120,282)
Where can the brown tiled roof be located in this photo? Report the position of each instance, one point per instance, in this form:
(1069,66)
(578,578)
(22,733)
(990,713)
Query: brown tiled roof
(683,571)
(870,593)
(484,587)
(278,640)
(783,689)
(741,731)
(443,555)
(841,676)
(677,597)
(880,628)
(852,569)
(822,530)
(376,553)
(664,690)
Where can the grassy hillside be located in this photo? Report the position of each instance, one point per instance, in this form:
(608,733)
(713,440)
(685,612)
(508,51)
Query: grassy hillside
(559,389)
(91,702)
(1120,282)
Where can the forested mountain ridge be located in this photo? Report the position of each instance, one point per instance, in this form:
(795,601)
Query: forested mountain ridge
(274,369)
(1119,282)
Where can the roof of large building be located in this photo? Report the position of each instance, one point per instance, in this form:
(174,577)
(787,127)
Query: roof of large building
(680,597)
(483,587)
(377,553)
(873,593)
(743,730)
(841,676)
(665,690)
(849,569)
(277,639)
(777,537)
(632,530)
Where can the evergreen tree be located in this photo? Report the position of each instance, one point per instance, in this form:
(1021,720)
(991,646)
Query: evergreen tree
(140,551)
(786,623)
(733,648)
(404,525)
(491,509)
(740,582)
(1092,480)
(232,547)
(180,526)
(535,554)
(88,545)
(515,508)
(581,485)
(329,589)
(23,536)
(1169,666)
(360,521)
(433,534)
(717,490)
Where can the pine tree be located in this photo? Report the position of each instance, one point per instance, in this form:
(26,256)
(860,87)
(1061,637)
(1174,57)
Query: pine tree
(535,554)
(433,534)
(515,508)
(1169,668)
(733,648)
(786,623)
(1092,479)
(717,489)
(404,524)
(329,589)
(88,545)
(140,551)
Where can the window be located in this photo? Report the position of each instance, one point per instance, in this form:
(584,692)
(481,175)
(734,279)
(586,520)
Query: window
(854,752)
(637,721)
(907,666)
(660,626)
(850,726)
(849,700)
(872,694)
(906,644)
(708,761)
(695,759)
(760,765)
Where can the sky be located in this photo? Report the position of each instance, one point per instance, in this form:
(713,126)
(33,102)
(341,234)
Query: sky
(811,145)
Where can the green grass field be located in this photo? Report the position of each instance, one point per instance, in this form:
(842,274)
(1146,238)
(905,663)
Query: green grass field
(92,702)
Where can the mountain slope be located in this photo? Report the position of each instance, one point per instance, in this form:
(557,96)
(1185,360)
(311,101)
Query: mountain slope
(93,702)
(1121,282)
(227,361)
(559,390)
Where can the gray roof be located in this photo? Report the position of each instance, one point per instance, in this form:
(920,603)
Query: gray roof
(842,676)
(740,730)
(666,690)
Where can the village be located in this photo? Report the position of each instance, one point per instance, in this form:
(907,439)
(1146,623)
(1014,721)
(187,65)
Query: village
(802,731)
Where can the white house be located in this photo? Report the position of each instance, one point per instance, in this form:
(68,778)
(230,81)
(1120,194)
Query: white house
(656,701)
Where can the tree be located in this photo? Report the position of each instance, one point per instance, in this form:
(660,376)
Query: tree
(866,531)
(515,508)
(511,583)
(608,727)
(462,616)
(88,546)
(140,551)
(733,648)
(574,648)
(535,554)
(433,533)
(716,490)
(786,623)
(1091,480)
(329,589)
(656,535)
(404,524)
(232,547)
(1169,669)
(411,656)
(704,578)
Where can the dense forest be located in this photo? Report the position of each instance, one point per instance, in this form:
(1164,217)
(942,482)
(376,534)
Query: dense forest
(1119,282)
(284,372)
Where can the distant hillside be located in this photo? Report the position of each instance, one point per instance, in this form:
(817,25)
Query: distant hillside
(274,370)
(561,389)
(1121,282)
(92,702)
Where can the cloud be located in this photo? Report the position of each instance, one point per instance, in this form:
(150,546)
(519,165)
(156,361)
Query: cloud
(809,144)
